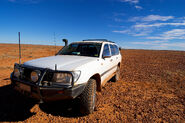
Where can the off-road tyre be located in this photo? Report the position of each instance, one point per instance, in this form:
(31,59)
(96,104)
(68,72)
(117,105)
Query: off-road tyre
(116,78)
(88,98)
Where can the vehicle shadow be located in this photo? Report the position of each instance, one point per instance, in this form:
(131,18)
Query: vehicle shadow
(13,106)
(69,108)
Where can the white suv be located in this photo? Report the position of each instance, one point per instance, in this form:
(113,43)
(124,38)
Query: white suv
(78,70)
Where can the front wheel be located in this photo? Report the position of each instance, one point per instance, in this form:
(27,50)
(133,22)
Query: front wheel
(88,98)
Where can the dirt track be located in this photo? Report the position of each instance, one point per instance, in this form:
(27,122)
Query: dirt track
(152,89)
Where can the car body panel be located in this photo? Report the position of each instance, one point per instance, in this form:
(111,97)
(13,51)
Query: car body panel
(63,62)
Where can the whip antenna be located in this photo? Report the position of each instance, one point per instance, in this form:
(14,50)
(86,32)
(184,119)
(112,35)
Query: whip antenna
(19,47)
(55,42)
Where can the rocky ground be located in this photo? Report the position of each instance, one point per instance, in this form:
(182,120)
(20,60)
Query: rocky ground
(152,89)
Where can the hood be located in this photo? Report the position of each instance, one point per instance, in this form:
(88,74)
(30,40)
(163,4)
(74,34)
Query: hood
(63,62)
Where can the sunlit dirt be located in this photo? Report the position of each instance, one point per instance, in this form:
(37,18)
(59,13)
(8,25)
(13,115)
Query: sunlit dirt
(152,89)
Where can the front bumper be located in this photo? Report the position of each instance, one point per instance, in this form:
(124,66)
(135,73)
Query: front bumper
(46,93)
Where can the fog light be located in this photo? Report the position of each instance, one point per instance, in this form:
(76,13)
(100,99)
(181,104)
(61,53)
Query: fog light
(17,72)
(35,75)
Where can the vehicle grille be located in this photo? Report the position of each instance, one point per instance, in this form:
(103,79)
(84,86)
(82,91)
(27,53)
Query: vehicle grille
(48,76)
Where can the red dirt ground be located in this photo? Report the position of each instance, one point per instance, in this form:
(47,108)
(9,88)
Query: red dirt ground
(152,89)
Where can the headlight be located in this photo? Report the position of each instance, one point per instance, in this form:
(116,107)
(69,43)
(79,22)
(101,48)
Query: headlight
(63,78)
(35,75)
(17,72)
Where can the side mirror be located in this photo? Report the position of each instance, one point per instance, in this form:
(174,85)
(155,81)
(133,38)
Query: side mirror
(106,56)
(120,48)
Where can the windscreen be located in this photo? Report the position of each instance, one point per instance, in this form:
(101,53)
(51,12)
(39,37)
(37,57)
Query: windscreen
(82,49)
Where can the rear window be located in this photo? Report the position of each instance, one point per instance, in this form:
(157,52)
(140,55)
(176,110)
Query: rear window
(114,50)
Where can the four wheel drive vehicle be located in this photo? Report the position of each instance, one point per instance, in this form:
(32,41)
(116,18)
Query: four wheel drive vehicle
(78,70)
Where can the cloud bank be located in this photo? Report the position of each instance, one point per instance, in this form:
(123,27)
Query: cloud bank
(161,31)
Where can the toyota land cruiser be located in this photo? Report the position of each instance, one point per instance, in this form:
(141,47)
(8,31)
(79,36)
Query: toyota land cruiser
(79,69)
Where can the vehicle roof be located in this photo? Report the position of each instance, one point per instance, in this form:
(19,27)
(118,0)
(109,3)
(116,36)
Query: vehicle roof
(96,41)
(99,40)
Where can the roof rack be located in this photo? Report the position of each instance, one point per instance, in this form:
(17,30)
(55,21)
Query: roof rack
(104,40)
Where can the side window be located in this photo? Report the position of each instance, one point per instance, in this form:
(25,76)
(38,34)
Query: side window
(116,50)
(112,50)
(106,51)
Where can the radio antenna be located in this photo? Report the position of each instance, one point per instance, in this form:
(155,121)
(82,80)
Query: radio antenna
(55,42)
(19,34)
(55,67)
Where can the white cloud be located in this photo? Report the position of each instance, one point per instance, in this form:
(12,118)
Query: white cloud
(130,1)
(175,34)
(168,31)
(135,31)
(169,45)
(172,34)
(118,19)
(134,2)
(143,33)
(158,37)
(157,17)
(149,42)
(166,38)
(151,18)
(143,25)
(138,7)
(146,27)
(122,31)
(181,45)
(161,44)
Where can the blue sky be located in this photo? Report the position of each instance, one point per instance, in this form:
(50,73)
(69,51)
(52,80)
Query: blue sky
(133,24)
